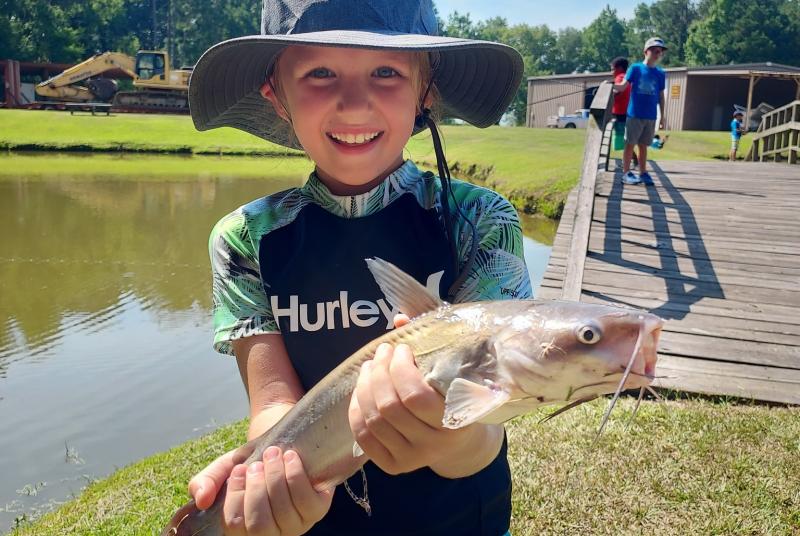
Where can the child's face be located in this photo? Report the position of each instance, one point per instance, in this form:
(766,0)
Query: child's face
(351,109)
(654,54)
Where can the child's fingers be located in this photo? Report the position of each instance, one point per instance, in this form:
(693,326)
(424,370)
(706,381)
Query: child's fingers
(419,397)
(205,485)
(286,516)
(404,428)
(309,503)
(358,424)
(257,513)
(401,320)
(233,508)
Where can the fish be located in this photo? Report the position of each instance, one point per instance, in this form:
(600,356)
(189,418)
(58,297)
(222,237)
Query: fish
(491,361)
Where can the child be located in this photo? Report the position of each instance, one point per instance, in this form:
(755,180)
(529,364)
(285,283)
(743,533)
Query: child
(647,82)
(349,83)
(736,133)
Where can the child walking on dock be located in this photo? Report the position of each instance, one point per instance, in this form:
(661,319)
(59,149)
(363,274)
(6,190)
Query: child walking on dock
(647,82)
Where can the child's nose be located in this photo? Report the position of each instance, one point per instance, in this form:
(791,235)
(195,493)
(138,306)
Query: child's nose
(354,97)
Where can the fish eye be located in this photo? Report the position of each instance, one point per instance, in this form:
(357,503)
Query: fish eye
(589,334)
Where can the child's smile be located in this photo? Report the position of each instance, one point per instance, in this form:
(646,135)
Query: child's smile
(351,109)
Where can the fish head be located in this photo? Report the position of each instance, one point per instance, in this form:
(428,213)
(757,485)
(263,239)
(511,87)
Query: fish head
(556,351)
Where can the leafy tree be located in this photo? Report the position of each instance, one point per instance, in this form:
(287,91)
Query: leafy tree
(741,32)
(603,40)
(668,19)
(568,51)
(461,25)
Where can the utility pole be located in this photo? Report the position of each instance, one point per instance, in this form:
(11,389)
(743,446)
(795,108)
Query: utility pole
(170,48)
(153,34)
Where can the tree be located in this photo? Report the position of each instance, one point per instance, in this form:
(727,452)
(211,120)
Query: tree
(741,32)
(568,51)
(603,40)
(668,19)
(459,25)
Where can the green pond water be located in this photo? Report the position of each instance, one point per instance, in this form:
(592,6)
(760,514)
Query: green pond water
(105,332)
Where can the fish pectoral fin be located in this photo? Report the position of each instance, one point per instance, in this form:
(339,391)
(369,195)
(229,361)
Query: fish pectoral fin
(402,290)
(512,409)
(467,402)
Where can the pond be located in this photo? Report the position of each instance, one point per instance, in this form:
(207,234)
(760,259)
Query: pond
(105,354)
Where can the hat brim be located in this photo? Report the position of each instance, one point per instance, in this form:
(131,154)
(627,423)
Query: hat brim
(476,80)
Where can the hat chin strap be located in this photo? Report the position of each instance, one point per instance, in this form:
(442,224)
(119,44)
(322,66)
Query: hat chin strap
(425,120)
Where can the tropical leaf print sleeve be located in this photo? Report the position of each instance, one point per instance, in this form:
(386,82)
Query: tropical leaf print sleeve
(240,306)
(499,272)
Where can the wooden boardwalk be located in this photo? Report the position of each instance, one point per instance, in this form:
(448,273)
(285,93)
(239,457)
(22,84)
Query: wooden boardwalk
(714,249)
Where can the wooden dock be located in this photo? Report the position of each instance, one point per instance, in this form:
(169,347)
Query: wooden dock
(714,249)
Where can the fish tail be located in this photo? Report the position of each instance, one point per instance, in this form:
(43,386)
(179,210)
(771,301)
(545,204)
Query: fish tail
(189,520)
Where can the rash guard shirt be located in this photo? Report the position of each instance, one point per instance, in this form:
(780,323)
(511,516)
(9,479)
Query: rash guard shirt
(293,263)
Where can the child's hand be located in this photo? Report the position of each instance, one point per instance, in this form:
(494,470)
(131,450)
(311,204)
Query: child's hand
(273,497)
(396,418)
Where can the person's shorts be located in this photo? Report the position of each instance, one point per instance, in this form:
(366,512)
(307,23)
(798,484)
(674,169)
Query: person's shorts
(639,131)
(734,144)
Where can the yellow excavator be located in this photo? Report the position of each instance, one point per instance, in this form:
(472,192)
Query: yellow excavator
(158,87)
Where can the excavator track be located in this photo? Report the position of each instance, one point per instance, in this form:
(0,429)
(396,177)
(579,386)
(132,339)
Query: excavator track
(151,101)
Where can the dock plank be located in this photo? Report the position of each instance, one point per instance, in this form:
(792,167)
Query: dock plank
(712,247)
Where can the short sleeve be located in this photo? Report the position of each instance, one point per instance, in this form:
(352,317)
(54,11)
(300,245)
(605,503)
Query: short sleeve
(240,306)
(499,271)
(630,75)
(662,80)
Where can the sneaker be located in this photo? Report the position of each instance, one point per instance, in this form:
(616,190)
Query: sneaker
(631,178)
(646,178)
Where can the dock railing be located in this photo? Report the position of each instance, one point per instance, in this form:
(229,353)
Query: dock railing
(779,132)
(593,163)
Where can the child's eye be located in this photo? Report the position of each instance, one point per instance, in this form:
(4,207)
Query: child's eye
(385,72)
(320,72)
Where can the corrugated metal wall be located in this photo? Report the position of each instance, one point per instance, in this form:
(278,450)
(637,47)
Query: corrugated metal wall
(546,96)
(675,98)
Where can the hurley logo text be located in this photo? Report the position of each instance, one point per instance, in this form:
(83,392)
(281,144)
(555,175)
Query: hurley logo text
(342,312)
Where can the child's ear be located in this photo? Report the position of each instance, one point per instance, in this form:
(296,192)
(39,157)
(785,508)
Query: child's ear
(268,92)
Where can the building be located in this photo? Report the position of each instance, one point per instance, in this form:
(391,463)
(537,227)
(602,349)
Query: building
(697,98)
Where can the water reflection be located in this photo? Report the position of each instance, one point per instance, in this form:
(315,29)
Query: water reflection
(79,251)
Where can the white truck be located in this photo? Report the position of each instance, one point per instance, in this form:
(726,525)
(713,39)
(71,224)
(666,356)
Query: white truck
(578,119)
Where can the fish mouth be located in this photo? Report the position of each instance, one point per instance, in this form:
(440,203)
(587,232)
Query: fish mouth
(645,352)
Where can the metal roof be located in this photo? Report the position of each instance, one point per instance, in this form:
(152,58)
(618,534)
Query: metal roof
(739,69)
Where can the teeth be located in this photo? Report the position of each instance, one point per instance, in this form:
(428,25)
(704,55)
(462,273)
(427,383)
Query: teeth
(354,139)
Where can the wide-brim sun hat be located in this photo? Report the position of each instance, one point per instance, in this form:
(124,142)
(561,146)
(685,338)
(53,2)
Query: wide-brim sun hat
(476,80)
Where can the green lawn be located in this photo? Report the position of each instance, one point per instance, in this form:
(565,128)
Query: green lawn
(684,467)
(535,168)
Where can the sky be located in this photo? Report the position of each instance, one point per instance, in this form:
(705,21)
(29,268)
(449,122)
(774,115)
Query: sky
(555,13)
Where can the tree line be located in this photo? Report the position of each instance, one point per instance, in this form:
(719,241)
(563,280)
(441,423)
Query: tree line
(702,32)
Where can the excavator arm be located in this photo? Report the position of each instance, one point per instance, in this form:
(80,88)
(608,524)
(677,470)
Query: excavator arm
(65,85)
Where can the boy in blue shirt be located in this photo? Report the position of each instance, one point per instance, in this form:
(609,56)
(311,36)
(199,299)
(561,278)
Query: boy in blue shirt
(736,133)
(647,82)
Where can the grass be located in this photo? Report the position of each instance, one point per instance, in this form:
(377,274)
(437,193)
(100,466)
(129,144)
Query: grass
(692,466)
(534,168)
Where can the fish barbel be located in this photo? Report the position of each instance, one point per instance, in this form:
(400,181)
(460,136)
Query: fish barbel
(491,361)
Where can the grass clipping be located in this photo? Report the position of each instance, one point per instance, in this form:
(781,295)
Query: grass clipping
(683,467)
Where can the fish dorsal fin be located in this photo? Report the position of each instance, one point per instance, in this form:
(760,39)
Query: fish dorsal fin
(402,290)
(467,402)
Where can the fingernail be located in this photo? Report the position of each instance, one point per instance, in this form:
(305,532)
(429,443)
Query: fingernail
(239,472)
(255,468)
(273,453)
(289,456)
(198,492)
